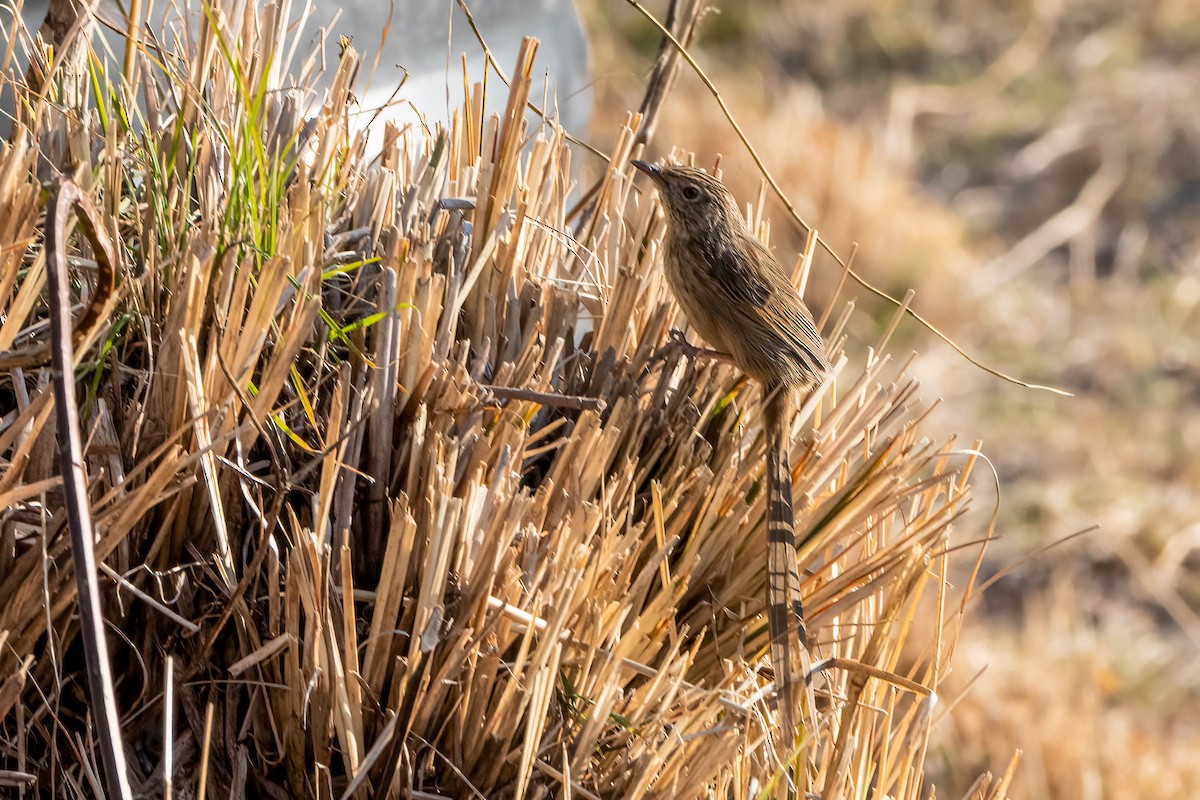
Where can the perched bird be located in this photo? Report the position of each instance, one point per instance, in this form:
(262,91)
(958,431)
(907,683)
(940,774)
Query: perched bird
(737,296)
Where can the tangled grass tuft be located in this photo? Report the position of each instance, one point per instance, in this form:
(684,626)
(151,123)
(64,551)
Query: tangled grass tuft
(409,490)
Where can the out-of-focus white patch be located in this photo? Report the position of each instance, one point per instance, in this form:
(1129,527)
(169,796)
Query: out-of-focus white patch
(425,39)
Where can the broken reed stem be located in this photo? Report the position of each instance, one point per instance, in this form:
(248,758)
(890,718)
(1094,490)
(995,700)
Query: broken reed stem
(168,758)
(866,669)
(205,749)
(546,398)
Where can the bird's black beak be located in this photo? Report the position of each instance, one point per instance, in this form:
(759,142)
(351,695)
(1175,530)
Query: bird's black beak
(653,170)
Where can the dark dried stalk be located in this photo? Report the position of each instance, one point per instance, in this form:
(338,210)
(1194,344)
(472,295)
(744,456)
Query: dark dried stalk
(551,399)
(75,494)
(681,22)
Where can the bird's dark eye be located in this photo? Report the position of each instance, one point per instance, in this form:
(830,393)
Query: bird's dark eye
(691,193)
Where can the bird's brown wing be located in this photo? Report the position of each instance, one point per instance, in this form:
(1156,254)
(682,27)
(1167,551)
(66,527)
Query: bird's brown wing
(785,314)
(787,325)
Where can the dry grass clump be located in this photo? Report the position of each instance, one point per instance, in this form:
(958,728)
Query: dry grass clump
(411,496)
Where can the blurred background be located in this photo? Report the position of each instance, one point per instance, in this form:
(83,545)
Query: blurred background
(446,46)
(1032,169)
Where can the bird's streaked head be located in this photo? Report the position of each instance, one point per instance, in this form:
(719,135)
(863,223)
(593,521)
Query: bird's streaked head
(692,195)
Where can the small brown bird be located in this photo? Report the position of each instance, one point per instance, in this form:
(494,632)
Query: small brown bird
(743,303)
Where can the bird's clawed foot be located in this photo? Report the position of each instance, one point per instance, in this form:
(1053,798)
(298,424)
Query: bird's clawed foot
(676,340)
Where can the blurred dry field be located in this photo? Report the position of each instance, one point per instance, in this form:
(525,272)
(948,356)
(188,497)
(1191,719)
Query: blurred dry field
(1033,171)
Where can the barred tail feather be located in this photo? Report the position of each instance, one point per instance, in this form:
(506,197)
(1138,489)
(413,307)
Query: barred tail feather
(785,613)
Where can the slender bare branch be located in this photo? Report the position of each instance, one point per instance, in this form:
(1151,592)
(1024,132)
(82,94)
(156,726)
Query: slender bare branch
(75,493)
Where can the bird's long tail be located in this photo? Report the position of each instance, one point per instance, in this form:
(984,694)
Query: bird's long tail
(785,614)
